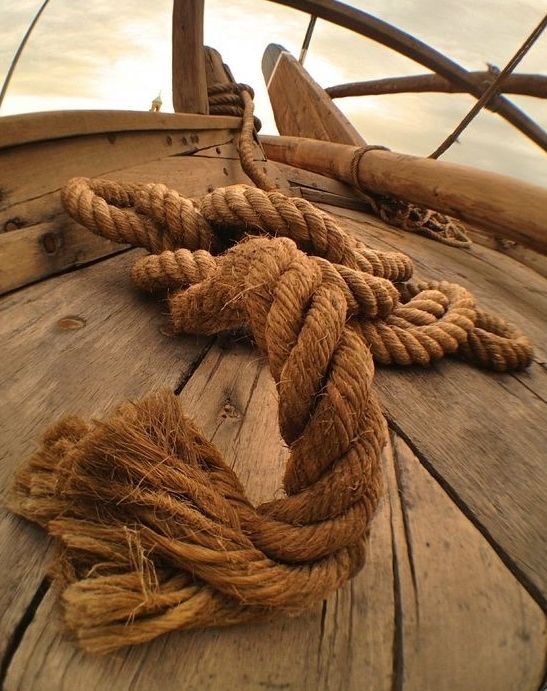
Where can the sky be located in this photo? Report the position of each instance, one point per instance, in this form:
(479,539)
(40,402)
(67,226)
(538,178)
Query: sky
(117,55)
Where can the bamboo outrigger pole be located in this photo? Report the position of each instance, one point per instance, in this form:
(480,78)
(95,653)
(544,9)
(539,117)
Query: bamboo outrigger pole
(501,205)
(19,51)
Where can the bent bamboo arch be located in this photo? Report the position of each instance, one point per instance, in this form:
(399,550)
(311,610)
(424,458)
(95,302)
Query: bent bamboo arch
(521,84)
(376,29)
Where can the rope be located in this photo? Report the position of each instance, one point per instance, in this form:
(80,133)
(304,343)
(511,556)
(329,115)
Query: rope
(237,99)
(492,89)
(410,217)
(156,530)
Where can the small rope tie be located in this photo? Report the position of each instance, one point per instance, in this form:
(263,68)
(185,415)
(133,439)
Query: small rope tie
(409,217)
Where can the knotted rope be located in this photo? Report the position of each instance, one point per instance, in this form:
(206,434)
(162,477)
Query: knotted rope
(156,531)
(410,217)
(404,322)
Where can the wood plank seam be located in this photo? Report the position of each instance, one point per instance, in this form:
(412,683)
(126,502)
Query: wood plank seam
(398,628)
(19,631)
(523,579)
(69,269)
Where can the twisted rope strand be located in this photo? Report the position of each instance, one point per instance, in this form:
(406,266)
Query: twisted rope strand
(156,530)
(423,329)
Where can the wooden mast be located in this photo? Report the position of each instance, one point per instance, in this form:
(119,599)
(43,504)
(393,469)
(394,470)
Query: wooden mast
(188,62)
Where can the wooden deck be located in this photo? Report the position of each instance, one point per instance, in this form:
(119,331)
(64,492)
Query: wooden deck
(452,596)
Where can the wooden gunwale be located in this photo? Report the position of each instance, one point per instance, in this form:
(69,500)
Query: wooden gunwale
(27,128)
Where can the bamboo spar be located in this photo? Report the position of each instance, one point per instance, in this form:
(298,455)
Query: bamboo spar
(501,205)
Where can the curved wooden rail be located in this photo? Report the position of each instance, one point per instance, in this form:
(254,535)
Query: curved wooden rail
(388,35)
(522,84)
(58,124)
(501,205)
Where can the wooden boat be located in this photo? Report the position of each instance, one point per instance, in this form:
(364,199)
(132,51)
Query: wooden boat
(453,592)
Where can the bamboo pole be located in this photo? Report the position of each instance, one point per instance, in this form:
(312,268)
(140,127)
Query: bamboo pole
(365,24)
(500,205)
(523,84)
(188,58)
(19,52)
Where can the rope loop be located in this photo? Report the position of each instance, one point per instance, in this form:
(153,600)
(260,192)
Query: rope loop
(157,531)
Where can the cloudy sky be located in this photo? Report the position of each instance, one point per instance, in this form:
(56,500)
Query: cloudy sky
(105,54)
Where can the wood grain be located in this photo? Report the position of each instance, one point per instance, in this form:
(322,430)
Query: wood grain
(464,622)
(188,59)
(47,371)
(53,162)
(301,107)
(498,204)
(26,128)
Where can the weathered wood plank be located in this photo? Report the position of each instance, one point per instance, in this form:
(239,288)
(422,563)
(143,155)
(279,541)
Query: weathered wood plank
(483,435)
(304,109)
(58,124)
(464,622)
(47,371)
(368,635)
(50,242)
(53,162)
(46,249)
(188,59)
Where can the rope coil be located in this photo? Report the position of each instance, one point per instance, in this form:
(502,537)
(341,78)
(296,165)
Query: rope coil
(157,532)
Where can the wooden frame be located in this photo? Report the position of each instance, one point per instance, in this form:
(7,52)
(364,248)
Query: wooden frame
(522,84)
(391,37)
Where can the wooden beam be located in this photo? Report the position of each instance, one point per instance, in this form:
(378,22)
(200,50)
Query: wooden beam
(522,84)
(60,124)
(188,61)
(365,24)
(499,204)
(301,107)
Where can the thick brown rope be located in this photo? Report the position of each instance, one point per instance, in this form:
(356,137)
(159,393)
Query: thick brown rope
(156,530)
(227,214)
(237,99)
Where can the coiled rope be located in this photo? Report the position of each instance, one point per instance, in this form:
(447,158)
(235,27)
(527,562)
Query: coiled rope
(156,531)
